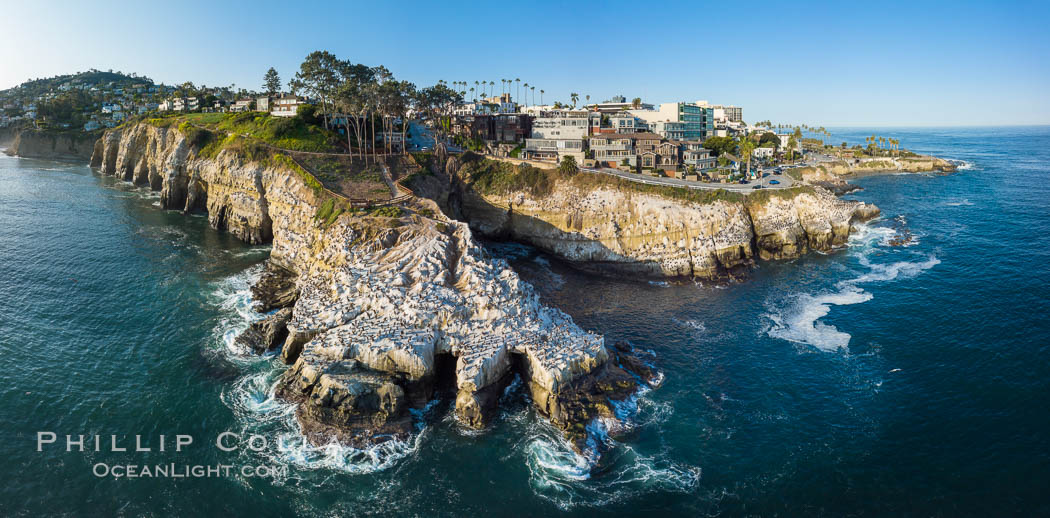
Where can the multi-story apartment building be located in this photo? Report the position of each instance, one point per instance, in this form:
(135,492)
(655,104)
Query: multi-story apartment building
(557,134)
(560,127)
(697,122)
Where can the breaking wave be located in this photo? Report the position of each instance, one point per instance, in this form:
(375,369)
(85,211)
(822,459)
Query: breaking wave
(258,410)
(798,319)
(568,479)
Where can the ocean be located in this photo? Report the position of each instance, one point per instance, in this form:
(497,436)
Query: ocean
(875,380)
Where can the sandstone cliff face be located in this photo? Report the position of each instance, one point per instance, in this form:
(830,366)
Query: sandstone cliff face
(649,234)
(380,303)
(39,144)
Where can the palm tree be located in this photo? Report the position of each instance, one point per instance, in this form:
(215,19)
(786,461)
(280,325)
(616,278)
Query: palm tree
(541,96)
(526,94)
(574,97)
(746,148)
(517,88)
(492,88)
(588,97)
(533,88)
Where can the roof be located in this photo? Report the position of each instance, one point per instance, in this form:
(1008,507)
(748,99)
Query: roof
(645,135)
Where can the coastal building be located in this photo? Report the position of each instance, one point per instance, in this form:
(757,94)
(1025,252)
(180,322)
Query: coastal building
(618,104)
(393,138)
(509,127)
(763,152)
(262,103)
(698,121)
(696,155)
(286,106)
(672,130)
(553,149)
(611,149)
(241,105)
(732,113)
(561,127)
(492,105)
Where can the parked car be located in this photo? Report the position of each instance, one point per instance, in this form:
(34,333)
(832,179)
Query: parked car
(757,187)
(774,182)
(743,182)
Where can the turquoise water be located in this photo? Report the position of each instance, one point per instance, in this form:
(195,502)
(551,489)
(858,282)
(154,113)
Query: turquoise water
(875,380)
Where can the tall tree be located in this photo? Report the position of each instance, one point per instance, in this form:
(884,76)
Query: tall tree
(271,82)
(636,103)
(746,147)
(574,97)
(318,75)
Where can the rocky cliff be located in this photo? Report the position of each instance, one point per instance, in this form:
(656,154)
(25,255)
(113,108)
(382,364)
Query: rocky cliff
(383,310)
(836,170)
(44,144)
(615,228)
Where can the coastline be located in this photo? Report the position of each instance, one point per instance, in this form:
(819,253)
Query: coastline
(240,196)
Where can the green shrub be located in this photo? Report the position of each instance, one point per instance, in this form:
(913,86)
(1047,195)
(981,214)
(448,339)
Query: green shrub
(388,211)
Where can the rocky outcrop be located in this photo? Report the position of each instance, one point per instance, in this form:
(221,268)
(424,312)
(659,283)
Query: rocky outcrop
(276,288)
(52,145)
(381,310)
(266,334)
(834,172)
(619,230)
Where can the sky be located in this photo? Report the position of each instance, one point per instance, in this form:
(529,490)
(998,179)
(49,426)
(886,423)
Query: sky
(819,63)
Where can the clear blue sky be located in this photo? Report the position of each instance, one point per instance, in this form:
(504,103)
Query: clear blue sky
(856,64)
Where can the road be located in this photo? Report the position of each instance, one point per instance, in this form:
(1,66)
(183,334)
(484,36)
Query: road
(785,181)
(420,138)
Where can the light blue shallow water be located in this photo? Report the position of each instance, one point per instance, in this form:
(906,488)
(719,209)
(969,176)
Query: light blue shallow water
(871,381)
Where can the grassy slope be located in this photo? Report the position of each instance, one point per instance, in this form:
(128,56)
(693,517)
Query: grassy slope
(249,135)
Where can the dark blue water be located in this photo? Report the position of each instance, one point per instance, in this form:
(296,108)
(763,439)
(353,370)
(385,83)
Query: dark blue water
(877,380)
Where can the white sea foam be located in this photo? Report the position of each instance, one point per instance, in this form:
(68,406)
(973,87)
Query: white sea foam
(801,323)
(799,319)
(892,271)
(558,474)
(695,325)
(956,202)
(253,400)
(570,479)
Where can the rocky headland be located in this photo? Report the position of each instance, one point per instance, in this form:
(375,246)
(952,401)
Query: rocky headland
(375,313)
(51,145)
(608,225)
